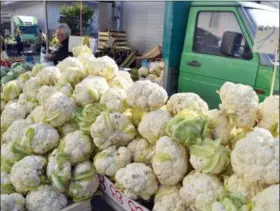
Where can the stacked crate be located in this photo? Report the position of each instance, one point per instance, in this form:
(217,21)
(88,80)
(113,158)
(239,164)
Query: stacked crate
(119,38)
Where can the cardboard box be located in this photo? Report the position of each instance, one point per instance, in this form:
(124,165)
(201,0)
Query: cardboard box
(127,204)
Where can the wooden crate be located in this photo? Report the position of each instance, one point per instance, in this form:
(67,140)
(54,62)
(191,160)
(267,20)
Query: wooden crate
(120,39)
(82,206)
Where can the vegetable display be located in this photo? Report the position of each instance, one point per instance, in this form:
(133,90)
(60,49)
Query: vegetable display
(62,126)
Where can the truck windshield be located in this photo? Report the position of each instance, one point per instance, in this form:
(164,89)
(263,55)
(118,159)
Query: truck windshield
(29,29)
(261,17)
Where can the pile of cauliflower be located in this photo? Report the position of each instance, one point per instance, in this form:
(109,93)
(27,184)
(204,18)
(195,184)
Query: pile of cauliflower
(154,73)
(62,126)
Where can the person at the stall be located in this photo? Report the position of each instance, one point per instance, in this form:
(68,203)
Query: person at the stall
(62,34)
(19,44)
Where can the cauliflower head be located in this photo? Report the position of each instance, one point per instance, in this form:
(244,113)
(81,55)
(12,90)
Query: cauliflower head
(121,80)
(137,180)
(85,182)
(77,145)
(256,157)
(28,173)
(110,160)
(6,184)
(268,199)
(59,109)
(72,75)
(11,90)
(15,131)
(240,103)
(268,114)
(12,202)
(236,184)
(69,62)
(85,58)
(44,93)
(200,190)
(188,100)
(49,75)
(104,66)
(27,102)
(112,129)
(143,71)
(31,87)
(142,151)
(82,50)
(11,113)
(40,138)
(170,161)
(187,127)
(153,124)
(45,198)
(90,90)
(146,96)
(168,198)
(68,128)
(114,99)
(38,115)
(210,157)
(219,126)
(59,170)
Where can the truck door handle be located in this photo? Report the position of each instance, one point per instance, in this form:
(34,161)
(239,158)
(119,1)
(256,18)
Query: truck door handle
(194,63)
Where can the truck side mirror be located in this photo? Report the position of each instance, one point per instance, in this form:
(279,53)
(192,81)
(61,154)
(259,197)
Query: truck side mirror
(231,42)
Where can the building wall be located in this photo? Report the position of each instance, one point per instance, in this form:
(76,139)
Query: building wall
(105,16)
(143,22)
(271,3)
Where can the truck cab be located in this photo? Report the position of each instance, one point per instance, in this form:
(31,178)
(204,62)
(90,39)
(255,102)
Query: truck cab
(214,42)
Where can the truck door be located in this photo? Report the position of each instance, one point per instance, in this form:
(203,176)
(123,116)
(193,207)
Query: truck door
(204,66)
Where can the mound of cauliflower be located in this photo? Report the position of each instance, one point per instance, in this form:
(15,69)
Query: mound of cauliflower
(64,125)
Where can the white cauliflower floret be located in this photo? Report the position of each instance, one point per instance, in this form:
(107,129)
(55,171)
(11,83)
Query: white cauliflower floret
(121,80)
(15,131)
(209,156)
(9,156)
(3,103)
(49,75)
(37,115)
(28,173)
(59,109)
(114,99)
(112,129)
(45,198)
(59,170)
(188,100)
(44,93)
(170,161)
(11,113)
(103,66)
(68,128)
(146,95)
(90,90)
(85,182)
(22,78)
(66,89)
(27,102)
(40,138)
(219,126)
(81,50)
(11,90)
(151,77)
(137,180)
(237,185)
(200,189)
(168,198)
(72,75)
(110,160)
(12,202)
(268,114)
(6,184)
(268,199)
(240,103)
(142,151)
(256,157)
(85,58)
(143,71)
(77,145)
(69,62)
(153,124)
(31,87)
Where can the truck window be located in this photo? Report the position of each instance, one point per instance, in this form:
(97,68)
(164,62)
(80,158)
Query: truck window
(210,28)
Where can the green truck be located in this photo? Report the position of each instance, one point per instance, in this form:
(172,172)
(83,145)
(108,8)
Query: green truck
(28,25)
(206,44)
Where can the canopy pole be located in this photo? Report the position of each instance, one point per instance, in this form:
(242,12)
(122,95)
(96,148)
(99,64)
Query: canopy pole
(81,18)
(46,25)
(274,71)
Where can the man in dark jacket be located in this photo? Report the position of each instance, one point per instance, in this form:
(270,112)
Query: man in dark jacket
(62,34)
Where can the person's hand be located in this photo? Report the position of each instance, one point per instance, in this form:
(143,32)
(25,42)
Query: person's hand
(48,56)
